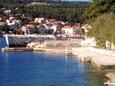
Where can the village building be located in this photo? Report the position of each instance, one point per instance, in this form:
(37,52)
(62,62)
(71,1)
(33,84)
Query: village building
(68,30)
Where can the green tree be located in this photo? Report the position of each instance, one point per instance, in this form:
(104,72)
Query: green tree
(103,29)
(98,7)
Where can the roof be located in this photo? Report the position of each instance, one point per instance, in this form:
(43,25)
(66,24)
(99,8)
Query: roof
(37,3)
(30,26)
(67,27)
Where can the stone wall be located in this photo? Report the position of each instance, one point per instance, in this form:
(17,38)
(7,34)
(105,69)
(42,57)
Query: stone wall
(63,43)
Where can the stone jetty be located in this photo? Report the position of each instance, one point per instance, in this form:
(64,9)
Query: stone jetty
(16,49)
(100,57)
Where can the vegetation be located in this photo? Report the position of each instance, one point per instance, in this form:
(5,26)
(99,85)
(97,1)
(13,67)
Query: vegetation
(3,27)
(65,11)
(98,7)
(101,16)
(103,29)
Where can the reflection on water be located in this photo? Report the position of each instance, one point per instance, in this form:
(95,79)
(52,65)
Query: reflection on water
(40,69)
(2,42)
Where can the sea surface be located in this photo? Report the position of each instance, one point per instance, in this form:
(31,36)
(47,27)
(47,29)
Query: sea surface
(41,69)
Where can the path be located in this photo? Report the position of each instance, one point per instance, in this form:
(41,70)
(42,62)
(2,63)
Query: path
(100,57)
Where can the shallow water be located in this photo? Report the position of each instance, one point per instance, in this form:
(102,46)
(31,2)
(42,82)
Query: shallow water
(40,69)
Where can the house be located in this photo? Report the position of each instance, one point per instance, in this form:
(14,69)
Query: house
(68,30)
(38,4)
(54,27)
(39,20)
(86,27)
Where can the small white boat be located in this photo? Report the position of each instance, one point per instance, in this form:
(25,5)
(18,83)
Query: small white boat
(23,40)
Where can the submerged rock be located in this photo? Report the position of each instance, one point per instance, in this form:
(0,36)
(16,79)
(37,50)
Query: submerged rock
(110,79)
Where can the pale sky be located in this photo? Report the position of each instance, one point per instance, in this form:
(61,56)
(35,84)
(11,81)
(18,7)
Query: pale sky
(76,0)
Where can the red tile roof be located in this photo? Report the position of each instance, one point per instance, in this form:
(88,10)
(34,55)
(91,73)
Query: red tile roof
(67,27)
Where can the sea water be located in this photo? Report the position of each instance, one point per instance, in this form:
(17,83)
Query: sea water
(41,69)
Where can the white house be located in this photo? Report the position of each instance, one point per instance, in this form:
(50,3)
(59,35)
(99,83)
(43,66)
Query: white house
(68,30)
(86,27)
(38,20)
(54,27)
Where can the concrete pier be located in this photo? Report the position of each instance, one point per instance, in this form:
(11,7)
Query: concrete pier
(17,49)
(39,49)
(51,50)
(100,57)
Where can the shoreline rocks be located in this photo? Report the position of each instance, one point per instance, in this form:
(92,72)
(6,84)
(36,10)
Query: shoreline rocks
(110,79)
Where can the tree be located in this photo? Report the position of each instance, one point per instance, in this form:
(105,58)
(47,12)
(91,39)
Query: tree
(98,7)
(103,29)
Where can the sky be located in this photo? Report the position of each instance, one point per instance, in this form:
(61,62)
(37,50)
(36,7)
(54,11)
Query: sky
(76,0)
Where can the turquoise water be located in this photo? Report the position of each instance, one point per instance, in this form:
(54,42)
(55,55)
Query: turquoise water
(40,69)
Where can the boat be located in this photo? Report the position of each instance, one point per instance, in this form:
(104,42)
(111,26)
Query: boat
(22,40)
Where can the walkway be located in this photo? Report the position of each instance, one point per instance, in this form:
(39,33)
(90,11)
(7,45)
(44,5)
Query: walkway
(100,57)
